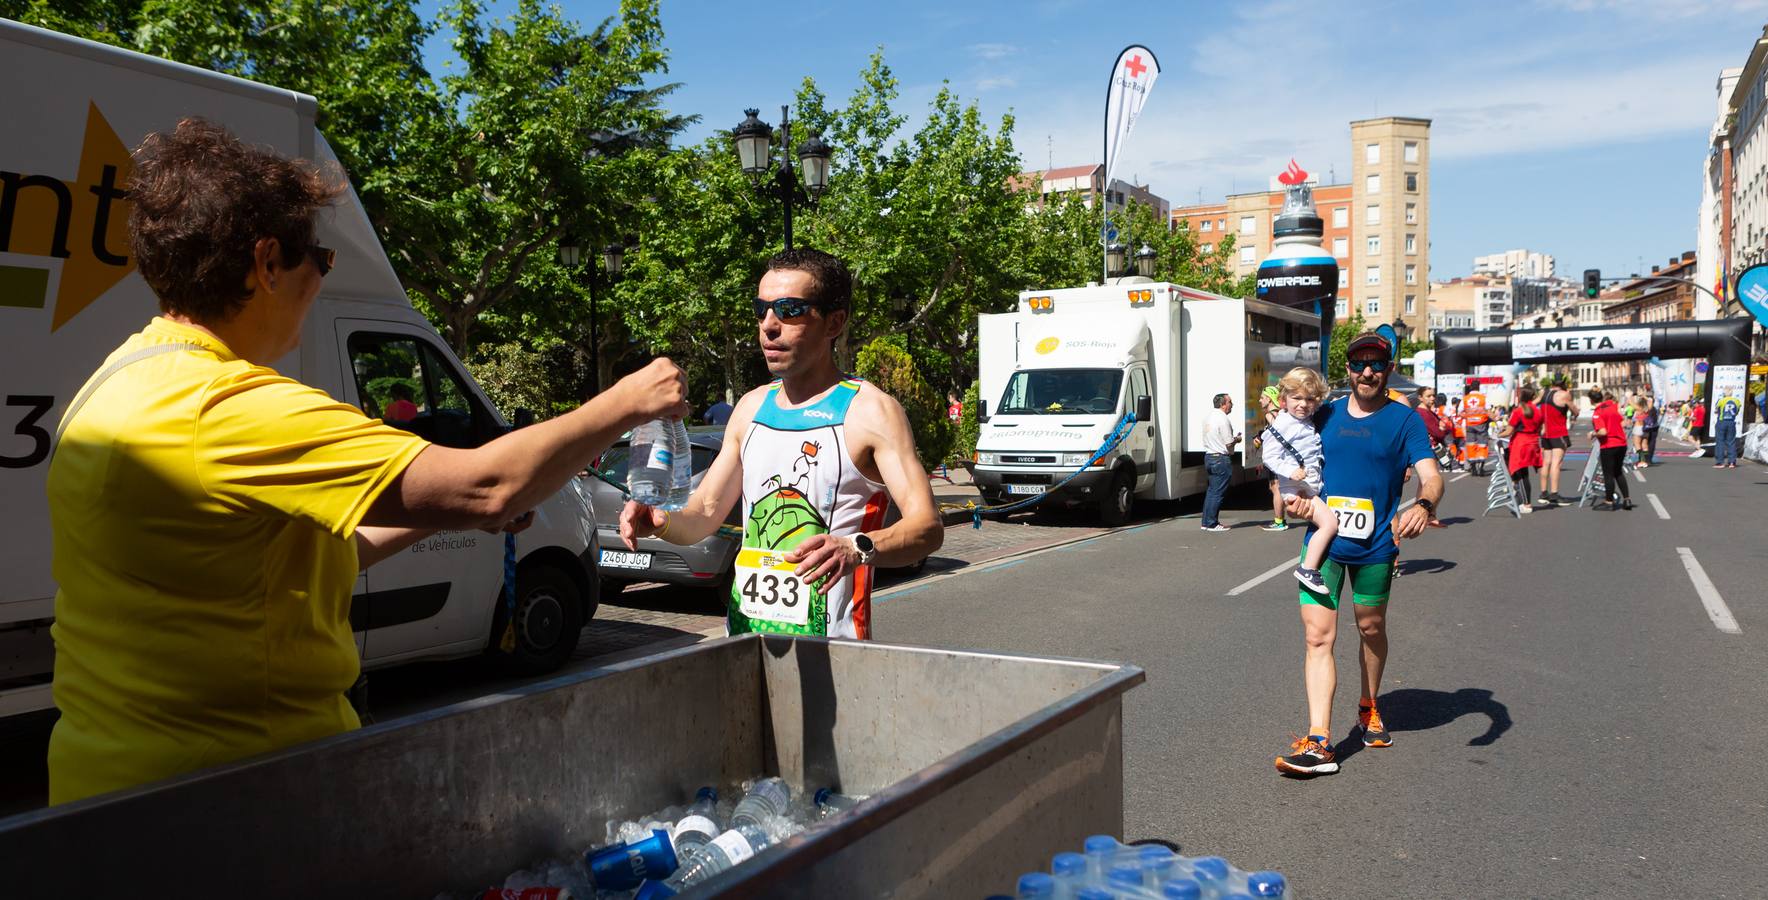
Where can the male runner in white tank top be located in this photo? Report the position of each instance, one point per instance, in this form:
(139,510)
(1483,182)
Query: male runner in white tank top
(814,457)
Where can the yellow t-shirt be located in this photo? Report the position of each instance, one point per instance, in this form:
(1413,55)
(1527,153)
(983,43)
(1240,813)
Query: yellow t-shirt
(203,510)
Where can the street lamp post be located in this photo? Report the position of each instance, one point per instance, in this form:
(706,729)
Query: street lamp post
(614,260)
(754,140)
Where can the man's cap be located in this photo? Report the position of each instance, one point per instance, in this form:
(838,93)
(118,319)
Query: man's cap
(1369,340)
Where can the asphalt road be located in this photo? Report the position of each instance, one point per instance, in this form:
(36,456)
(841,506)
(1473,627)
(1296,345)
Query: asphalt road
(1567,719)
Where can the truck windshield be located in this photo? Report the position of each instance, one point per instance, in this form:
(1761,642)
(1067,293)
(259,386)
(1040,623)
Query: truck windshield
(1052,391)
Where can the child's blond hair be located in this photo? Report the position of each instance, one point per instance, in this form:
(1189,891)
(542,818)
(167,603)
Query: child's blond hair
(1304,381)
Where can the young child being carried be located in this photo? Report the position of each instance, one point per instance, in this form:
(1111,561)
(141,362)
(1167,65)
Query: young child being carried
(1292,452)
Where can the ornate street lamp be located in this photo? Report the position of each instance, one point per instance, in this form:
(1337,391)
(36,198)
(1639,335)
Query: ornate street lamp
(754,143)
(754,140)
(1115,257)
(813,159)
(569,253)
(614,259)
(1145,261)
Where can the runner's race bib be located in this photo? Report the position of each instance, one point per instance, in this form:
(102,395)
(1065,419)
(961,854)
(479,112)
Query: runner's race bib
(1356,516)
(768,590)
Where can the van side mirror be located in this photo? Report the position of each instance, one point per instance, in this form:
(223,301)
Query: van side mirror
(981,411)
(524,417)
(1144,408)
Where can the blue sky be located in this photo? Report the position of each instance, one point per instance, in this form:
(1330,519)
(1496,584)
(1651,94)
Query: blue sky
(1572,127)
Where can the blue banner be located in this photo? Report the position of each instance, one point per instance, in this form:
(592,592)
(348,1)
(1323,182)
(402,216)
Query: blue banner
(1752,291)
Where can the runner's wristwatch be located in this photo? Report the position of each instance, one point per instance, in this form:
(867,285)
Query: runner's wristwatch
(1429,507)
(866,548)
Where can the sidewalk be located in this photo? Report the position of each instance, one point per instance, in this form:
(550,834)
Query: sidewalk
(953,488)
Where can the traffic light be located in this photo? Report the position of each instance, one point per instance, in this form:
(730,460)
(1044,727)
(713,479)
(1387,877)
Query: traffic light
(1592,282)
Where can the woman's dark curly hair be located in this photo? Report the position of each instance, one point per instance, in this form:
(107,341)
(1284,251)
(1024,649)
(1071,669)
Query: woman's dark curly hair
(201,199)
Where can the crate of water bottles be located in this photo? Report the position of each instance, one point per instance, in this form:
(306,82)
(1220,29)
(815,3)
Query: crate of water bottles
(1109,870)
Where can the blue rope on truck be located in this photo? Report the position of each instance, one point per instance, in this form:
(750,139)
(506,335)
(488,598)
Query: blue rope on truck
(1116,437)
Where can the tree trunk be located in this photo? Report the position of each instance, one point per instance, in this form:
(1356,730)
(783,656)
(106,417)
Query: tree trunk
(460,325)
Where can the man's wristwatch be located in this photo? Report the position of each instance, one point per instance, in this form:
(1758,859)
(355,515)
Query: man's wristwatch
(1428,506)
(866,548)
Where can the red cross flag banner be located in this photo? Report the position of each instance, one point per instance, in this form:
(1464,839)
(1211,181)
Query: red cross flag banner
(1131,80)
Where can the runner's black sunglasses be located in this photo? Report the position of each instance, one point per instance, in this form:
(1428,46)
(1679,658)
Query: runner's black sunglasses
(787,308)
(323,258)
(1358,365)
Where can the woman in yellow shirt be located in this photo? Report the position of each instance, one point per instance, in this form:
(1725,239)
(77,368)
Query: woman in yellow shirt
(210,515)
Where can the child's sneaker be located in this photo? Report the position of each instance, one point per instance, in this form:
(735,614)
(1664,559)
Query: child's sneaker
(1311,579)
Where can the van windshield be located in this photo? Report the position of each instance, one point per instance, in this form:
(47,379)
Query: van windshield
(1053,391)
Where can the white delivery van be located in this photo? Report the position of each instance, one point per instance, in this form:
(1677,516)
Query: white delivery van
(1060,372)
(69,295)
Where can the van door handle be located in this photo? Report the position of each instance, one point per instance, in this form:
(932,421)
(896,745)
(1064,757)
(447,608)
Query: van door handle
(1151,431)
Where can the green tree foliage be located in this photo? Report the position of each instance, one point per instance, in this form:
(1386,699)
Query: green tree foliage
(1342,332)
(886,364)
(969,427)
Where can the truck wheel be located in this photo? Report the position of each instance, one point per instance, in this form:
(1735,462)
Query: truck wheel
(1115,507)
(549,620)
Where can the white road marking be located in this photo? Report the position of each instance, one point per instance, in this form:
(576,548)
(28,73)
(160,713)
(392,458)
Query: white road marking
(1636,473)
(1459,477)
(1255,582)
(1709,595)
(1658,505)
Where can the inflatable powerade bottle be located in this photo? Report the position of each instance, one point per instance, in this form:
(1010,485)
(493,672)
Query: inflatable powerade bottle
(1299,273)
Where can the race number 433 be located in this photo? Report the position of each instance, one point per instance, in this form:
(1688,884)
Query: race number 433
(768,589)
(1356,516)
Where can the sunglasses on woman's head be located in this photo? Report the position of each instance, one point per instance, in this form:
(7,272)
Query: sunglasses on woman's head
(323,258)
(786,308)
(1358,365)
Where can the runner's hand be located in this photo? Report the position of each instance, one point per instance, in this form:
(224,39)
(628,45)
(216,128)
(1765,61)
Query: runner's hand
(1410,523)
(823,560)
(639,521)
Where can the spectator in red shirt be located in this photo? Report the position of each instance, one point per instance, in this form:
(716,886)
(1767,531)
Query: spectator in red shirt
(1611,432)
(1427,411)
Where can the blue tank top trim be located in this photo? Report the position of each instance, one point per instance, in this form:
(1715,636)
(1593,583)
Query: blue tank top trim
(830,410)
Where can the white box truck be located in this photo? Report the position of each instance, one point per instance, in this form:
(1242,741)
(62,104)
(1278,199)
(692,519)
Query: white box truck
(69,295)
(1061,371)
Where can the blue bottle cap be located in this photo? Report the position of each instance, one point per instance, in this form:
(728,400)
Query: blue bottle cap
(1037,884)
(707,793)
(1100,843)
(1125,875)
(1068,864)
(621,867)
(1094,894)
(821,796)
(1181,889)
(1209,868)
(1266,884)
(1150,852)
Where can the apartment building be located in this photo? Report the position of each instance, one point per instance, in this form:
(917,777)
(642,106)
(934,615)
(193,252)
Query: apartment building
(1644,302)
(1515,263)
(1088,183)
(1248,218)
(1450,304)
(1390,220)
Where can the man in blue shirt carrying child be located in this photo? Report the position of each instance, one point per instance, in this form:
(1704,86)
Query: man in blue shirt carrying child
(1367,442)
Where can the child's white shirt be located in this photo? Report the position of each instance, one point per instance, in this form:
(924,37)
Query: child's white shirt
(1280,461)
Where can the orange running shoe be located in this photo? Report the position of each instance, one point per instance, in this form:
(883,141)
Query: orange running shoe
(1374,733)
(1308,756)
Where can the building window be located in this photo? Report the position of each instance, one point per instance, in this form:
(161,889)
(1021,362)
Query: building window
(1411,274)
(1206,224)
(1372,306)
(1248,225)
(1411,151)
(1341,217)
(1209,248)
(1341,247)
(1221,224)
(1412,244)
(1411,214)
(1411,304)
(1343,308)
(1411,182)
(1372,153)
(1374,245)
(1372,184)
(1372,275)
(1246,255)
(1344,278)
(1372,215)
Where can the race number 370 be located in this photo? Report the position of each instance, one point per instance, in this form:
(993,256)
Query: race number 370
(27,424)
(1356,516)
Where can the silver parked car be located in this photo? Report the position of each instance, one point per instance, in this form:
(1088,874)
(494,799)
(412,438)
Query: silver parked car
(705,564)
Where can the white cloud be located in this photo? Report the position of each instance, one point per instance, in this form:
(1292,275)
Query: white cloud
(993,52)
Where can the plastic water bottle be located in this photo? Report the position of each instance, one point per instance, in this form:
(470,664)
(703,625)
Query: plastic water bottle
(649,465)
(1036,886)
(1267,884)
(767,797)
(1070,870)
(1158,865)
(1181,889)
(681,465)
(1094,893)
(728,849)
(1099,850)
(1212,873)
(1125,878)
(698,825)
(829,803)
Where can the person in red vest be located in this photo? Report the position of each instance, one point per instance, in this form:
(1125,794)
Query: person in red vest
(1556,438)
(1525,446)
(1611,432)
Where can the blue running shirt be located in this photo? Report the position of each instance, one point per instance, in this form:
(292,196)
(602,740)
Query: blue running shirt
(1367,458)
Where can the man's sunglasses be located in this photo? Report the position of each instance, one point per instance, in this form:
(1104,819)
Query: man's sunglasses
(1358,365)
(323,258)
(787,308)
